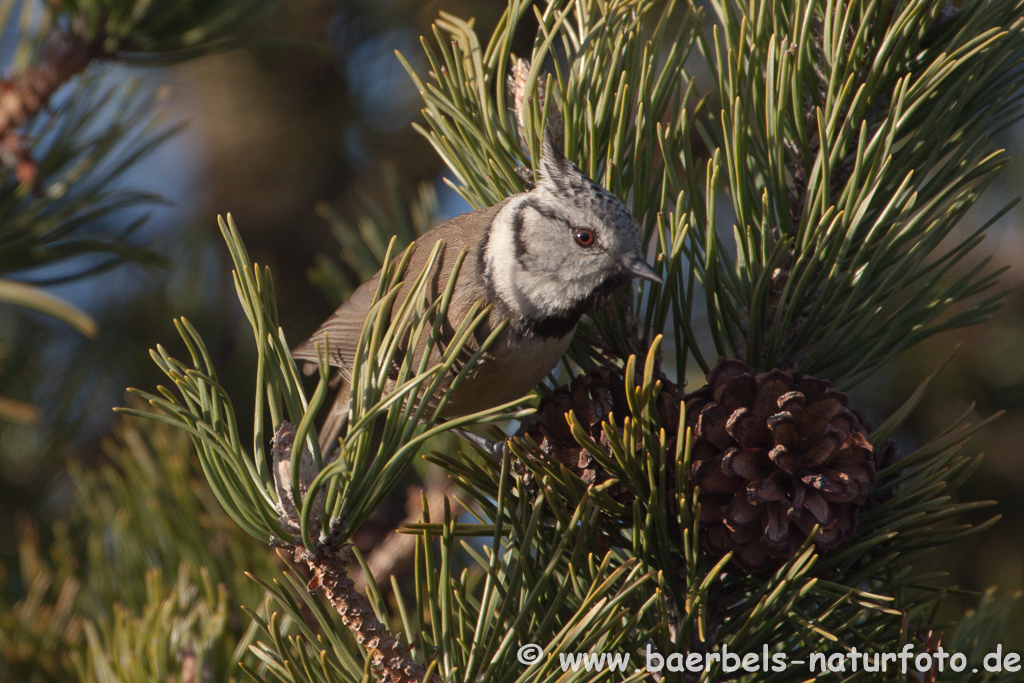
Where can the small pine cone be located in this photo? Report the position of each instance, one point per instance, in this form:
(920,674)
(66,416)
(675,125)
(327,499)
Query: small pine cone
(774,454)
(592,397)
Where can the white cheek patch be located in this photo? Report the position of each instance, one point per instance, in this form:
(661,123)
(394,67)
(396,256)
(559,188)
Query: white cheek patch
(550,287)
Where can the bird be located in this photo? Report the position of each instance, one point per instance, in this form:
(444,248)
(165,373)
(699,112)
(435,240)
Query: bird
(539,259)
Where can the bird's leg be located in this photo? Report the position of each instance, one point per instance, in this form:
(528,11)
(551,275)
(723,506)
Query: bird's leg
(496,449)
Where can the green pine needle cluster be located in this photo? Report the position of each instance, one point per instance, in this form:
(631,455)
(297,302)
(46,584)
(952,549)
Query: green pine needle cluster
(140,578)
(478,611)
(158,31)
(853,138)
(820,126)
(371,460)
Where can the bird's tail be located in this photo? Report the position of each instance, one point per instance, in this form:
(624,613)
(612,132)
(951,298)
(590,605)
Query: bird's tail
(335,422)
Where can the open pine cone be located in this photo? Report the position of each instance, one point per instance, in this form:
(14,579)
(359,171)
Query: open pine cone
(592,398)
(774,454)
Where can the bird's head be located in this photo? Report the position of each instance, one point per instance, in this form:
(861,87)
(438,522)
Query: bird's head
(551,250)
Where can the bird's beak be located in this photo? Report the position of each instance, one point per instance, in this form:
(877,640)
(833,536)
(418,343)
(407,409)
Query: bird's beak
(636,267)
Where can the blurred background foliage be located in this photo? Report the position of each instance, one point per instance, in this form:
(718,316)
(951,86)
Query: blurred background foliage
(303,133)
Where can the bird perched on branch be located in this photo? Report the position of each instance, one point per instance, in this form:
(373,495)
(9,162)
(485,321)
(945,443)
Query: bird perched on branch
(539,259)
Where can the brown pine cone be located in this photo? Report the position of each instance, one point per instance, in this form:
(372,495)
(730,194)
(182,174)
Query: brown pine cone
(592,397)
(774,454)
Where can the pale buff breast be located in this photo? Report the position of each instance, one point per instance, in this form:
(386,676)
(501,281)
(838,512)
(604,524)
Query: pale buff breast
(508,372)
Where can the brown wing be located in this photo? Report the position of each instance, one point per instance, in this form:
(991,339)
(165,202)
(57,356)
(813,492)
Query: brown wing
(344,327)
(342,330)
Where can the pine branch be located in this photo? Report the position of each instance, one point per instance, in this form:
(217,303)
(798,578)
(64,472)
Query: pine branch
(65,54)
(852,139)
(389,656)
(297,500)
(63,159)
(124,30)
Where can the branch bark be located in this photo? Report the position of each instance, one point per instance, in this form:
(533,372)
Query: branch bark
(65,54)
(391,659)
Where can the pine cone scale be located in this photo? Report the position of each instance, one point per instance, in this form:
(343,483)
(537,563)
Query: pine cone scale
(787,463)
(713,475)
(823,450)
(746,429)
(769,490)
(751,464)
(741,511)
(784,430)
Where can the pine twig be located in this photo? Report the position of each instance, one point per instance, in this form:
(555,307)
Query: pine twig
(390,657)
(65,55)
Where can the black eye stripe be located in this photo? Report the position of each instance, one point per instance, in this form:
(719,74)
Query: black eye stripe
(517,228)
(517,234)
(550,215)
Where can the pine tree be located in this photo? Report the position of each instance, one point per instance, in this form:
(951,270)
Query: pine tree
(694,479)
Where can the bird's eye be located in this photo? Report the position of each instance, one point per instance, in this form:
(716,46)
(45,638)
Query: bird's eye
(584,237)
